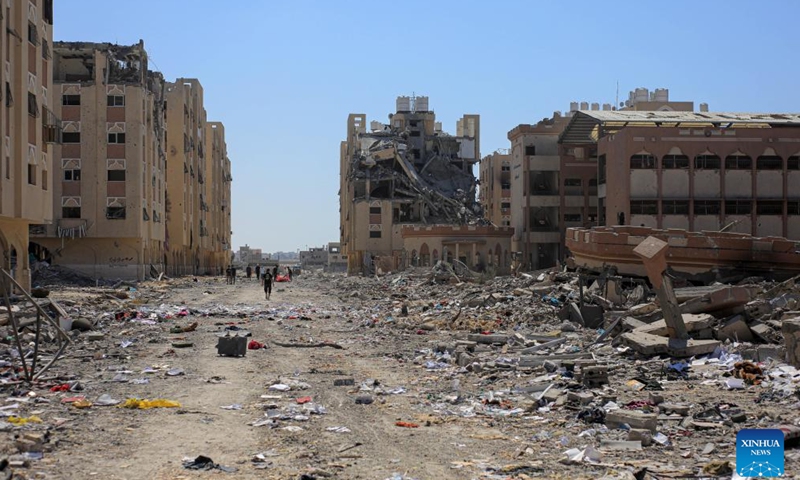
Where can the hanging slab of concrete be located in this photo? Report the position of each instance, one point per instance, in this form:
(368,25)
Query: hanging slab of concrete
(649,344)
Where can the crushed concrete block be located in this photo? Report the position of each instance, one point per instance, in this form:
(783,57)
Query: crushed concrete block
(552,395)
(766,352)
(465,359)
(640,435)
(735,329)
(643,309)
(95,336)
(762,331)
(693,323)
(791,338)
(655,398)
(489,339)
(630,323)
(633,418)
(648,344)
(581,398)
(682,410)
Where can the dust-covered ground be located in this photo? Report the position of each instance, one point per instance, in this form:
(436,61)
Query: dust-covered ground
(408,412)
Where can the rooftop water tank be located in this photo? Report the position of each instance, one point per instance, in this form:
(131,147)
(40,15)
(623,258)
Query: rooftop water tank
(421,104)
(584,105)
(661,95)
(404,104)
(573,106)
(595,106)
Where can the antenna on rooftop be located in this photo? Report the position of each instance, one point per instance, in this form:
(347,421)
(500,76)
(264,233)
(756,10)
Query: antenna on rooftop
(616,98)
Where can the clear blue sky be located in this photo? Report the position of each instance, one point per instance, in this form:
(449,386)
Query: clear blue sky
(283,76)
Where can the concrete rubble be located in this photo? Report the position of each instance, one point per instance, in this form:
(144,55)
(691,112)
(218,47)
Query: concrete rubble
(551,373)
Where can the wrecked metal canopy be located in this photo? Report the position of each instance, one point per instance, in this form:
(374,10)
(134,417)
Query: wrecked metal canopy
(587,126)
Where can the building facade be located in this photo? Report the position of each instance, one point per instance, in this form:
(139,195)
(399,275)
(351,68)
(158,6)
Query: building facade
(554,186)
(186,204)
(29,129)
(108,199)
(217,241)
(696,171)
(495,187)
(481,248)
(405,172)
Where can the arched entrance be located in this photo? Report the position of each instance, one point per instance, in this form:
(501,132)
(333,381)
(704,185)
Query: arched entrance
(424,255)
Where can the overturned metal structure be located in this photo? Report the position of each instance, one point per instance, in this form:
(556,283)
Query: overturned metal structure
(23,316)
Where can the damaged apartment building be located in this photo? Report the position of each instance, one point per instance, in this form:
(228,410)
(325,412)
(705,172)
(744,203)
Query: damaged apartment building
(142,180)
(408,193)
(108,188)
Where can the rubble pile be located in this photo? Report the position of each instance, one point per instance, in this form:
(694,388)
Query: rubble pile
(553,374)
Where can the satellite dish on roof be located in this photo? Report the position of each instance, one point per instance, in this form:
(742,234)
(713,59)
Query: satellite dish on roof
(621,104)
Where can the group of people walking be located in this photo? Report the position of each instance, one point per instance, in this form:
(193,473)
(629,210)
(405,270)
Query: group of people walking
(265,276)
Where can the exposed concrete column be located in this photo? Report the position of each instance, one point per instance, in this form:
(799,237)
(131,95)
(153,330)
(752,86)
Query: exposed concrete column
(653,253)
(455,257)
(472,262)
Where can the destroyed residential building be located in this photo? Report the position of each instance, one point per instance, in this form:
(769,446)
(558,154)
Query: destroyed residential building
(30,128)
(495,187)
(552,186)
(111,194)
(108,193)
(406,173)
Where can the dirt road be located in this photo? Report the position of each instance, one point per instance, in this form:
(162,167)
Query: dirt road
(118,443)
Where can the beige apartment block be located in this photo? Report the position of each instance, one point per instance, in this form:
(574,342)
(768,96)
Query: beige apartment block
(695,171)
(108,189)
(28,129)
(186,204)
(217,242)
(405,172)
(495,188)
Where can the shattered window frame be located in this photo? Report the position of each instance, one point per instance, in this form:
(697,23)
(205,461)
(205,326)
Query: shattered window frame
(31,174)
(33,105)
(115,213)
(71,100)
(70,212)
(116,175)
(793,162)
(375,234)
(573,217)
(71,137)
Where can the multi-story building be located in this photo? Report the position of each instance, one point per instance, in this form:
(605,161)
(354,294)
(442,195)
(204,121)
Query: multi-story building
(29,128)
(186,204)
(554,186)
(407,172)
(249,256)
(314,257)
(108,193)
(696,171)
(217,242)
(337,262)
(495,187)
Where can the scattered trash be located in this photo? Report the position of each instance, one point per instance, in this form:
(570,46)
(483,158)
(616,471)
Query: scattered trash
(205,463)
(147,404)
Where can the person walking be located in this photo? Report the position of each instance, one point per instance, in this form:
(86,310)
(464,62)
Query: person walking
(267,285)
(275,273)
(258,274)
(233,275)
(248,271)
(289,272)
(228,275)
